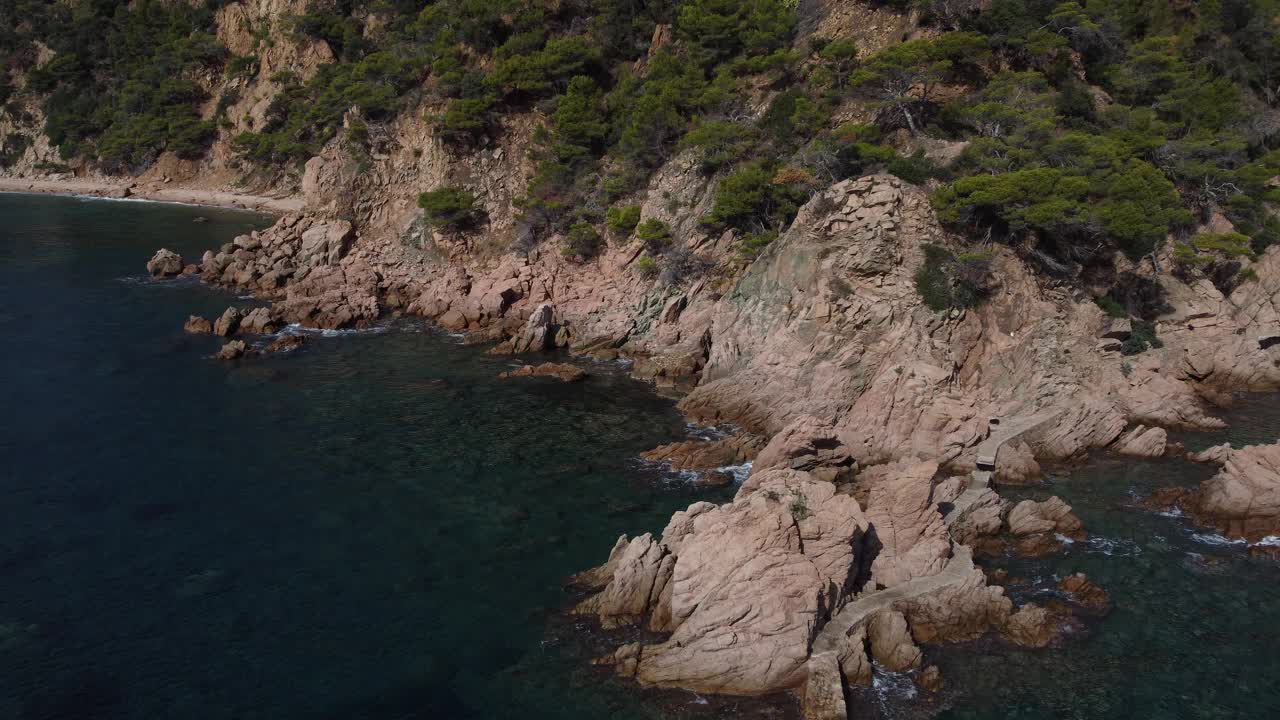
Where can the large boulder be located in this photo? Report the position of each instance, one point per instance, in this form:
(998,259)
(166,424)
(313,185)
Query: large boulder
(165,263)
(1142,441)
(1243,499)
(197,325)
(228,323)
(325,243)
(752,581)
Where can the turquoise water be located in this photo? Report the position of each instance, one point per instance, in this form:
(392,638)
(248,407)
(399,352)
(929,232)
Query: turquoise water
(372,527)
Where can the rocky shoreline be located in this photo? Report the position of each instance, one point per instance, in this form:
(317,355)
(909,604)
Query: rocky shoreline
(862,412)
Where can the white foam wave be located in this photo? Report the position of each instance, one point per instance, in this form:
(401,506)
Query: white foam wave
(1215,539)
(1111,547)
(891,685)
(1064,539)
(1269,541)
(296,329)
(738,472)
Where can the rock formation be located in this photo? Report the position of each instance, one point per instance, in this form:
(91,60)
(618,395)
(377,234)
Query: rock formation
(197,325)
(1243,499)
(559,371)
(165,263)
(750,583)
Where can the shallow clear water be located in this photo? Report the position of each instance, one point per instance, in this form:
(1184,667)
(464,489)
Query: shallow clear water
(1194,628)
(372,527)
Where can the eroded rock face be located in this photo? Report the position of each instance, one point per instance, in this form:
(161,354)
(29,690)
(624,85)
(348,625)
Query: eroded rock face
(891,643)
(751,582)
(1243,499)
(1142,441)
(907,526)
(808,444)
(165,263)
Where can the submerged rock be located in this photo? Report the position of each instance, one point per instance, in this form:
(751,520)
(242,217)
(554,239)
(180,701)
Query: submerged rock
(560,371)
(285,343)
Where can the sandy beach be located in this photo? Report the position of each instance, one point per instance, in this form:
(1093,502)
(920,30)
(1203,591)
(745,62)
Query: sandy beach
(122,190)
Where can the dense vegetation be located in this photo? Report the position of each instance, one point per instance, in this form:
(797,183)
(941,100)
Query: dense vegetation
(123,85)
(1093,127)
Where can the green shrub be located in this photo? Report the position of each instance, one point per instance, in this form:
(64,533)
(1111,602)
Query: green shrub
(450,208)
(945,281)
(647,266)
(1111,307)
(799,506)
(1141,338)
(754,196)
(622,220)
(751,245)
(582,241)
(654,234)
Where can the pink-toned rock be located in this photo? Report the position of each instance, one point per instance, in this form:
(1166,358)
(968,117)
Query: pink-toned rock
(165,263)
(752,580)
(855,664)
(1142,441)
(334,296)
(452,320)
(285,343)
(807,444)
(907,526)
(1243,499)
(197,325)
(930,679)
(1031,626)
(259,321)
(1085,592)
(233,350)
(559,371)
(704,454)
(634,585)
(228,323)
(1016,465)
(891,644)
(958,611)
(325,243)
(1047,516)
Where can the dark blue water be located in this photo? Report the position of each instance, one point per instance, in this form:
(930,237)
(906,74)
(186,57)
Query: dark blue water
(372,527)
